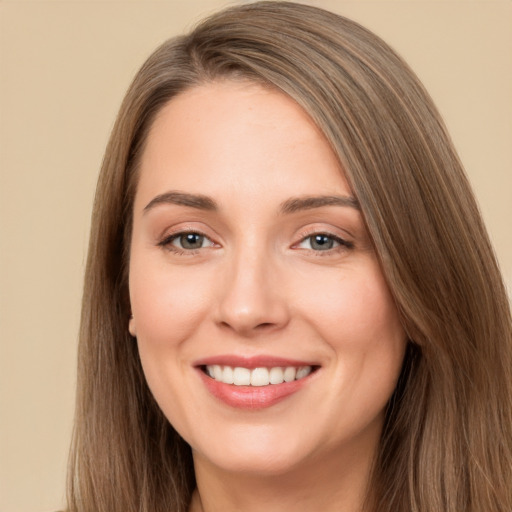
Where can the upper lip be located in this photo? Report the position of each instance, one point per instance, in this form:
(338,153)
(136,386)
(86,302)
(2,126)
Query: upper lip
(260,361)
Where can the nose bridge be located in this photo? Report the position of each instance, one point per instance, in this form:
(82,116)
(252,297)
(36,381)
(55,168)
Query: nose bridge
(251,298)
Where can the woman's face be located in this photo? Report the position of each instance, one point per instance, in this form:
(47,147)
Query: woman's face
(265,328)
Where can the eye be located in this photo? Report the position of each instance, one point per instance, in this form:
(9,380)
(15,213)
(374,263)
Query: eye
(186,241)
(323,242)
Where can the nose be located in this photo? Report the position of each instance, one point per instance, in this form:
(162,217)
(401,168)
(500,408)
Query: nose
(252,296)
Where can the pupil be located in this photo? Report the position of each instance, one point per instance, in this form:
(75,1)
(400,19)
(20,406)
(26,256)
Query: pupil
(322,242)
(191,241)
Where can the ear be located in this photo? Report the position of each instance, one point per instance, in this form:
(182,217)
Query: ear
(131,326)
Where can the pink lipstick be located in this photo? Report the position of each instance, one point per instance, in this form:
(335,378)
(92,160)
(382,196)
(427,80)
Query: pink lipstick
(254,382)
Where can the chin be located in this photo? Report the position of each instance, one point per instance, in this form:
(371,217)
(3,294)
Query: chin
(258,464)
(253,452)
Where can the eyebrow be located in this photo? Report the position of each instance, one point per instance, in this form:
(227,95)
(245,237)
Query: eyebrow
(292,205)
(310,202)
(198,201)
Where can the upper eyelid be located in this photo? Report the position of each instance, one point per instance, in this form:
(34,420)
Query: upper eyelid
(183,228)
(337,238)
(344,239)
(170,237)
(167,243)
(322,233)
(301,234)
(335,232)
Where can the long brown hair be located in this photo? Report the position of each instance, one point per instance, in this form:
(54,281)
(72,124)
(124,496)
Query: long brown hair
(447,440)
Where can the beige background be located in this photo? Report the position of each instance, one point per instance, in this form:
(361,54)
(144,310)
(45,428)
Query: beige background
(64,68)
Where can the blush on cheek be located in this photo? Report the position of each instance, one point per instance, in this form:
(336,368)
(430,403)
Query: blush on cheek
(167,306)
(167,327)
(358,315)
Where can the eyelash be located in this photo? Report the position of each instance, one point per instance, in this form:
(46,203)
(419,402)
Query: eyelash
(343,244)
(167,243)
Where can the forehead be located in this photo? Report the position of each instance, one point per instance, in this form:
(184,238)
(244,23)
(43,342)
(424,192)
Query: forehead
(237,136)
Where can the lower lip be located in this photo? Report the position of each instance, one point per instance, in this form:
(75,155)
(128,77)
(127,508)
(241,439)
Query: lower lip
(252,397)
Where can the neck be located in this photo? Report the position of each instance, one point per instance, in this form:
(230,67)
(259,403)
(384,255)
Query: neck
(328,484)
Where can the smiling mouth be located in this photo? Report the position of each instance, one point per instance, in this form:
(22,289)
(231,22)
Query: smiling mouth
(256,377)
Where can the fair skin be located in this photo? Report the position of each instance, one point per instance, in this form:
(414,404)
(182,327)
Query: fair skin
(249,251)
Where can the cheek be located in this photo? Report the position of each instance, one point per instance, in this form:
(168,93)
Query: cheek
(354,307)
(166,304)
(358,320)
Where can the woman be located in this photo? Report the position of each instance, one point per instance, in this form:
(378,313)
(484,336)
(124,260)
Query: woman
(290,299)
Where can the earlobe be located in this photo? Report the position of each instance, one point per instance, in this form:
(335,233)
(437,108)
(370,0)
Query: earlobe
(131,326)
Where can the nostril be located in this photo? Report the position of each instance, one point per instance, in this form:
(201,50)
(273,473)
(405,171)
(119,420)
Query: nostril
(259,327)
(264,326)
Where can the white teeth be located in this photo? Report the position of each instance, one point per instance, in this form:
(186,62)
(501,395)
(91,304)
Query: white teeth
(276,376)
(241,377)
(227,375)
(302,372)
(258,376)
(289,373)
(217,372)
